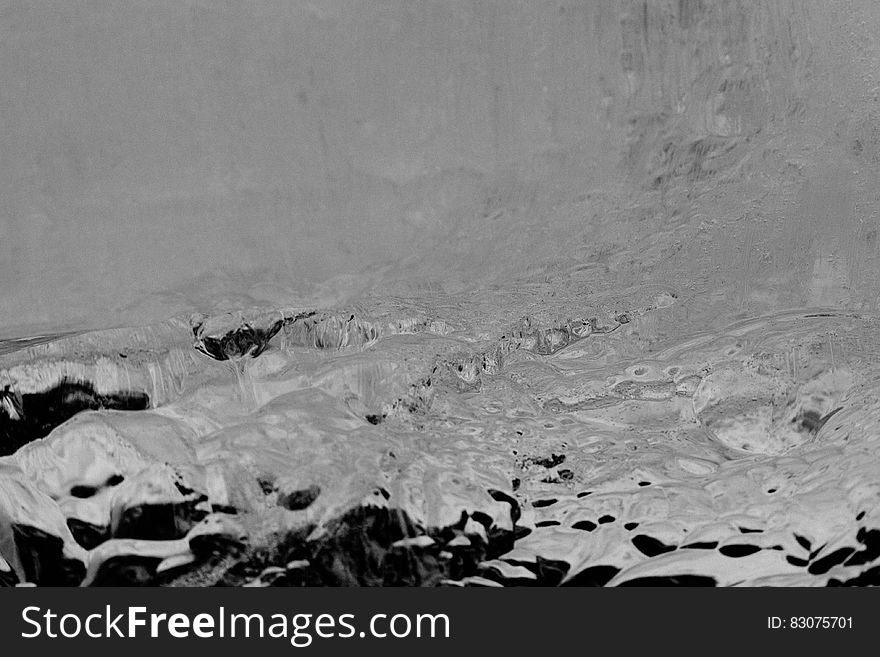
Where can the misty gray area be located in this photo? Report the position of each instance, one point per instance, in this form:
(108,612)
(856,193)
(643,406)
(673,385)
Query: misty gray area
(158,156)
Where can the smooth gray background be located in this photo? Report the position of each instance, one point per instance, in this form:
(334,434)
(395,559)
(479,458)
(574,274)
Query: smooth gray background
(158,155)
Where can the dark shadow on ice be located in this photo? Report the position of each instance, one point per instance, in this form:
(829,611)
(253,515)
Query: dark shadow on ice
(28,416)
(371,546)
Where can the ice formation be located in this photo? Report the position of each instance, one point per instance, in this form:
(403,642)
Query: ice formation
(441,293)
(416,449)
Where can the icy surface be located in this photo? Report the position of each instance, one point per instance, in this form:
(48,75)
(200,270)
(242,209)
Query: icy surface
(447,292)
(597,443)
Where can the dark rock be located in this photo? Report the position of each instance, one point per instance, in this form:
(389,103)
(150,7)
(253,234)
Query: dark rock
(826,563)
(224,343)
(266,485)
(42,558)
(870,577)
(501,496)
(520,532)
(585,525)
(738,551)
(358,549)
(650,546)
(224,508)
(803,542)
(550,572)
(84,492)
(212,547)
(672,580)
(870,538)
(86,534)
(127,571)
(299,499)
(593,576)
(548,461)
(36,414)
(483,518)
(159,522)
(8,579)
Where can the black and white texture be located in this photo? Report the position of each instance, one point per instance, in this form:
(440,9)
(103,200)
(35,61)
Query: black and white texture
(440,293)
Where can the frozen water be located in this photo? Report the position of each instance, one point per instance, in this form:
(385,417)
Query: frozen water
(469,293)
(713,455)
